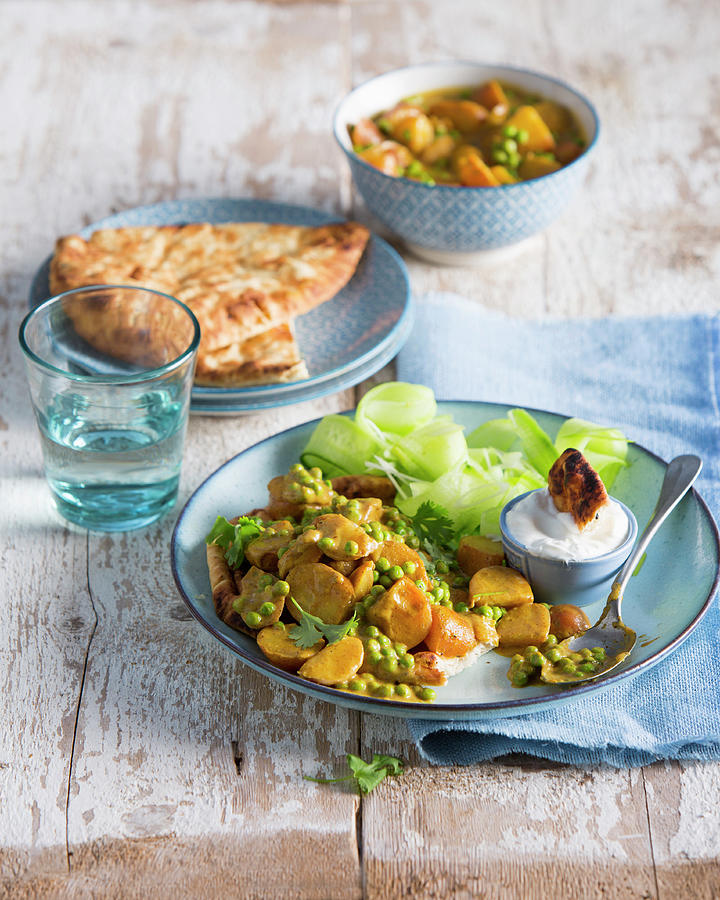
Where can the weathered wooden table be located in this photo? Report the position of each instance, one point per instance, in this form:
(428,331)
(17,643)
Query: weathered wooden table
(137,757)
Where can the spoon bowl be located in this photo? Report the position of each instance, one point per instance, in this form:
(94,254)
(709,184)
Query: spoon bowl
(609,639)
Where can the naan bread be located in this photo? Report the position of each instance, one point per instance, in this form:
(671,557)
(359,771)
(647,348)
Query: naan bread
(241,280)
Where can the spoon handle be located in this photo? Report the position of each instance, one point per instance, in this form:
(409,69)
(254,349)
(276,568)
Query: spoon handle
(679,477)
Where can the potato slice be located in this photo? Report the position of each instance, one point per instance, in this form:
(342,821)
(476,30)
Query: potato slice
(539,136)
(263,551)
(466,115)
(499,586)
(567,620)
(342,539)
(397,553)
(321,591)
(303,549)
(402,612)
(491,95)
(536,167)
(257,594)
(477,552)
(362,579)
(450,634)
(277,644)
(335,663)
(524,625)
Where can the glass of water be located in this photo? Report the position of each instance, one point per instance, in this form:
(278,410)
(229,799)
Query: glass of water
(110,371)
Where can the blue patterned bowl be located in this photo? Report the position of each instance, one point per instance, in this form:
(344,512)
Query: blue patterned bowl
(456,225)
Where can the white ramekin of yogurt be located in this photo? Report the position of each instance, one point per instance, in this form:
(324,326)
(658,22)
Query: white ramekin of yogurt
(562,563)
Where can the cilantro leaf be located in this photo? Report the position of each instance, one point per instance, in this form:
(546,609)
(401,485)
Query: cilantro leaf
(234,538)
(432,524)
(367,776)
(310,628)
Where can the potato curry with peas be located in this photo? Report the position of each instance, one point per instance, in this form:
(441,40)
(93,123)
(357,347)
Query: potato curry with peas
(337,585)
(484,136)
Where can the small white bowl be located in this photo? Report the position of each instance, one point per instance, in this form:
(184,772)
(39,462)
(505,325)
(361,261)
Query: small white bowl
(461,225)
(557,581)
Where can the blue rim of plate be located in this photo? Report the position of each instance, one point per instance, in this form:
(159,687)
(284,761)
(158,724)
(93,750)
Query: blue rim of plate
(340,383)
(226,209)
(445,711)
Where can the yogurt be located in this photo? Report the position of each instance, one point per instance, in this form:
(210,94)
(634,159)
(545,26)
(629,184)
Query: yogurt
(536,522)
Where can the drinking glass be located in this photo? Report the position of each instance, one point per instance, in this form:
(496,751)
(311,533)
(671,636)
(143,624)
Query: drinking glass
(110,370)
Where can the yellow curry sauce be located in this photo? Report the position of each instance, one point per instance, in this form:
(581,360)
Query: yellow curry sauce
(484,136)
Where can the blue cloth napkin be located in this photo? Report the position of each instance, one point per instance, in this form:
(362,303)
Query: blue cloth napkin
(657,379)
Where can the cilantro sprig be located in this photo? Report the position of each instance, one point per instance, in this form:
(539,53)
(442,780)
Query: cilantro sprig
(234,538)
(367,776)
(435,529)
(310,628)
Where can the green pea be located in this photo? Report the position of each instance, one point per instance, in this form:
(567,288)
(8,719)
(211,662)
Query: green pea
(281,589)
(426,694)
(553,654)
(376,576)
(413,541)
(520,679)
(598,653)
(461,607)
(297,468)
(374,657)
(530,649)
(586,653)
(355,684)
(485,611)
(551,640)
(498,612)
(536,659)
(400,648)
(342,686)
(253,619)
(444,602)
(406,661)
(280,626)
(372,631)
(415,168)
(383,690)
(265,580)
(326,543)
(402,690)
(576,657)
(500,156)
(351,548)
(384,640)
(509,146)
(421,584)
(369,600)
(372,646)
(409,567)
(359,607)
(386,581)
(395,572)
(518,658)
(510,131)
(442,567)
(389,652)
(567,665)
(389,666)
(382,564)
(522,136)
(352,514)
(586,668)
(267,609)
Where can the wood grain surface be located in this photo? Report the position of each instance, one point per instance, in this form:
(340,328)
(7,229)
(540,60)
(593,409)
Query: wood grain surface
(137,757)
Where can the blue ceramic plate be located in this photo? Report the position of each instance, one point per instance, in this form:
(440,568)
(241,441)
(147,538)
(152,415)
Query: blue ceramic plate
(688,541)
(354,329)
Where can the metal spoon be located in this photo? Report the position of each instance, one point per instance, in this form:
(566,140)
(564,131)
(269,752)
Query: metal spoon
(610,632)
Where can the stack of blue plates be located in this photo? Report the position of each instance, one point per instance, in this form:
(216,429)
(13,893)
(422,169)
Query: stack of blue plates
(343,342)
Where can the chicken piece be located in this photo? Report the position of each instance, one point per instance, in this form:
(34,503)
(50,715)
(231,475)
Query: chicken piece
(261,600)
(301,487)
(263,550)
(303,549)
(410,126)
(576,487)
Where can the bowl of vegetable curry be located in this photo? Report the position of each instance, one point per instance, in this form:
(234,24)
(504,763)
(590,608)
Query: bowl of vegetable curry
(463,158)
